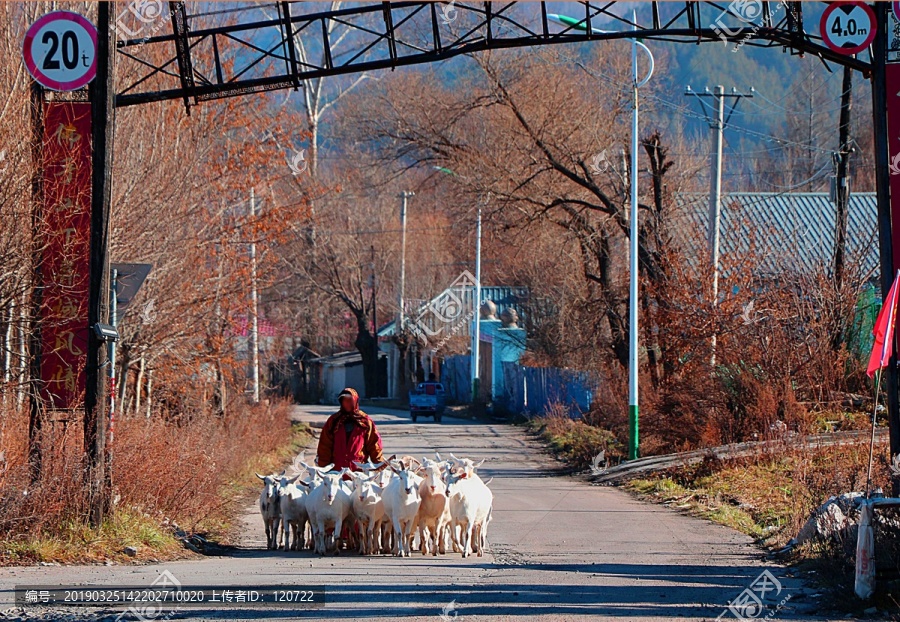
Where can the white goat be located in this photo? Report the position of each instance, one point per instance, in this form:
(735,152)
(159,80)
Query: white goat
(293,512)
(382,477)
(270,508)
(471,503)
(368,508)
(434,510)
(329,505)
(401,504)
(315,480)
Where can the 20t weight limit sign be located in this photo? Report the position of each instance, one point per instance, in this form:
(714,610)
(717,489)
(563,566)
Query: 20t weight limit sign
(848,27)
(60,51)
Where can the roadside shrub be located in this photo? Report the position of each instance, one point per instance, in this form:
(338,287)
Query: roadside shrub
(163,471)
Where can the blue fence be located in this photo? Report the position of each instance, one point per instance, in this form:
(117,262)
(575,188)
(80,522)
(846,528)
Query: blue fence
(530,390)
(456,375)
(526,390)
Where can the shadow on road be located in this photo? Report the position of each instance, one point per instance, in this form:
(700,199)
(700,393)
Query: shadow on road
(706,594)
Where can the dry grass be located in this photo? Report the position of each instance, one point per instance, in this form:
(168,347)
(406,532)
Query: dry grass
(572,440)
(772,495)
(191,473)
(769,496)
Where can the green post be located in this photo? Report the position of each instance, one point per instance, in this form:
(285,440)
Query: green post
(633,427)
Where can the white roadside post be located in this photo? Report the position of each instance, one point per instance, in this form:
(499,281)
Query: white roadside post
(633,301)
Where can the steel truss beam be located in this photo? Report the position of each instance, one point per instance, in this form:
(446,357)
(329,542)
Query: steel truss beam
(205,57)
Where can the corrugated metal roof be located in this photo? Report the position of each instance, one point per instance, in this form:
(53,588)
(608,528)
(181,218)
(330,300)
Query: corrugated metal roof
(787,231)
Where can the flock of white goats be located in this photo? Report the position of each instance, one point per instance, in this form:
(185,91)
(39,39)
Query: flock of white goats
(380,509)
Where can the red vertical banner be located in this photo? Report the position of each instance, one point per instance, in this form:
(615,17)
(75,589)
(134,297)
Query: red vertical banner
(65,256)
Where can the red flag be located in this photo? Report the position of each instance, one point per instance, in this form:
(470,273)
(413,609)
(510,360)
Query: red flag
(884,331)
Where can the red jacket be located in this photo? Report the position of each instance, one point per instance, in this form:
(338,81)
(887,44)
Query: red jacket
(341,447)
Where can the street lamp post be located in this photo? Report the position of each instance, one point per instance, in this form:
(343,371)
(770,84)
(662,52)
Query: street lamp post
(633,302)
(476,337)
(254,310)
(404,196)
(476,328)
(402,375)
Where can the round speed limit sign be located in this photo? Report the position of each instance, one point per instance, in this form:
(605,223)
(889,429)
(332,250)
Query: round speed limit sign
(848,27)
(60,51)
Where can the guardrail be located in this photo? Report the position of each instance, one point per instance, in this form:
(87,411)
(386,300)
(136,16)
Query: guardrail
(628,470)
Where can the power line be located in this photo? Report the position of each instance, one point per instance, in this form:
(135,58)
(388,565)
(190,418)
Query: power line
(686,112)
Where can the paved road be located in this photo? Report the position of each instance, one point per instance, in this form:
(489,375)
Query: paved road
(560,549)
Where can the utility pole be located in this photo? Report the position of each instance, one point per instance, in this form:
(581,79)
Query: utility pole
(374,315)
(476,298)
(404,196)
(476,337)
(377,392)
(404,363)
(842,179)
(254,309)
(717,123)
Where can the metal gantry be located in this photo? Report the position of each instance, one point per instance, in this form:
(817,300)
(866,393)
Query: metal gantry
(252,48)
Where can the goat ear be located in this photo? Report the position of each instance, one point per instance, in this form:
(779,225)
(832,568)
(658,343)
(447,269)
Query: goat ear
(262,477)
(283,473)
(302,483)
(480,463)
(293,479)
(327,467)
(438,456)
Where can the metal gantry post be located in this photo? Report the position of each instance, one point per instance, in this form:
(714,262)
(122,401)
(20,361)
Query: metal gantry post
(880,121)
(102,96)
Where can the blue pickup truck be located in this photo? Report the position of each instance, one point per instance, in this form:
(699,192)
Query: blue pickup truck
(429,399)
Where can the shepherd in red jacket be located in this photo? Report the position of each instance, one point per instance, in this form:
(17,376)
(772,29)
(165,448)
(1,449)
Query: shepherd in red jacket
(349,435)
